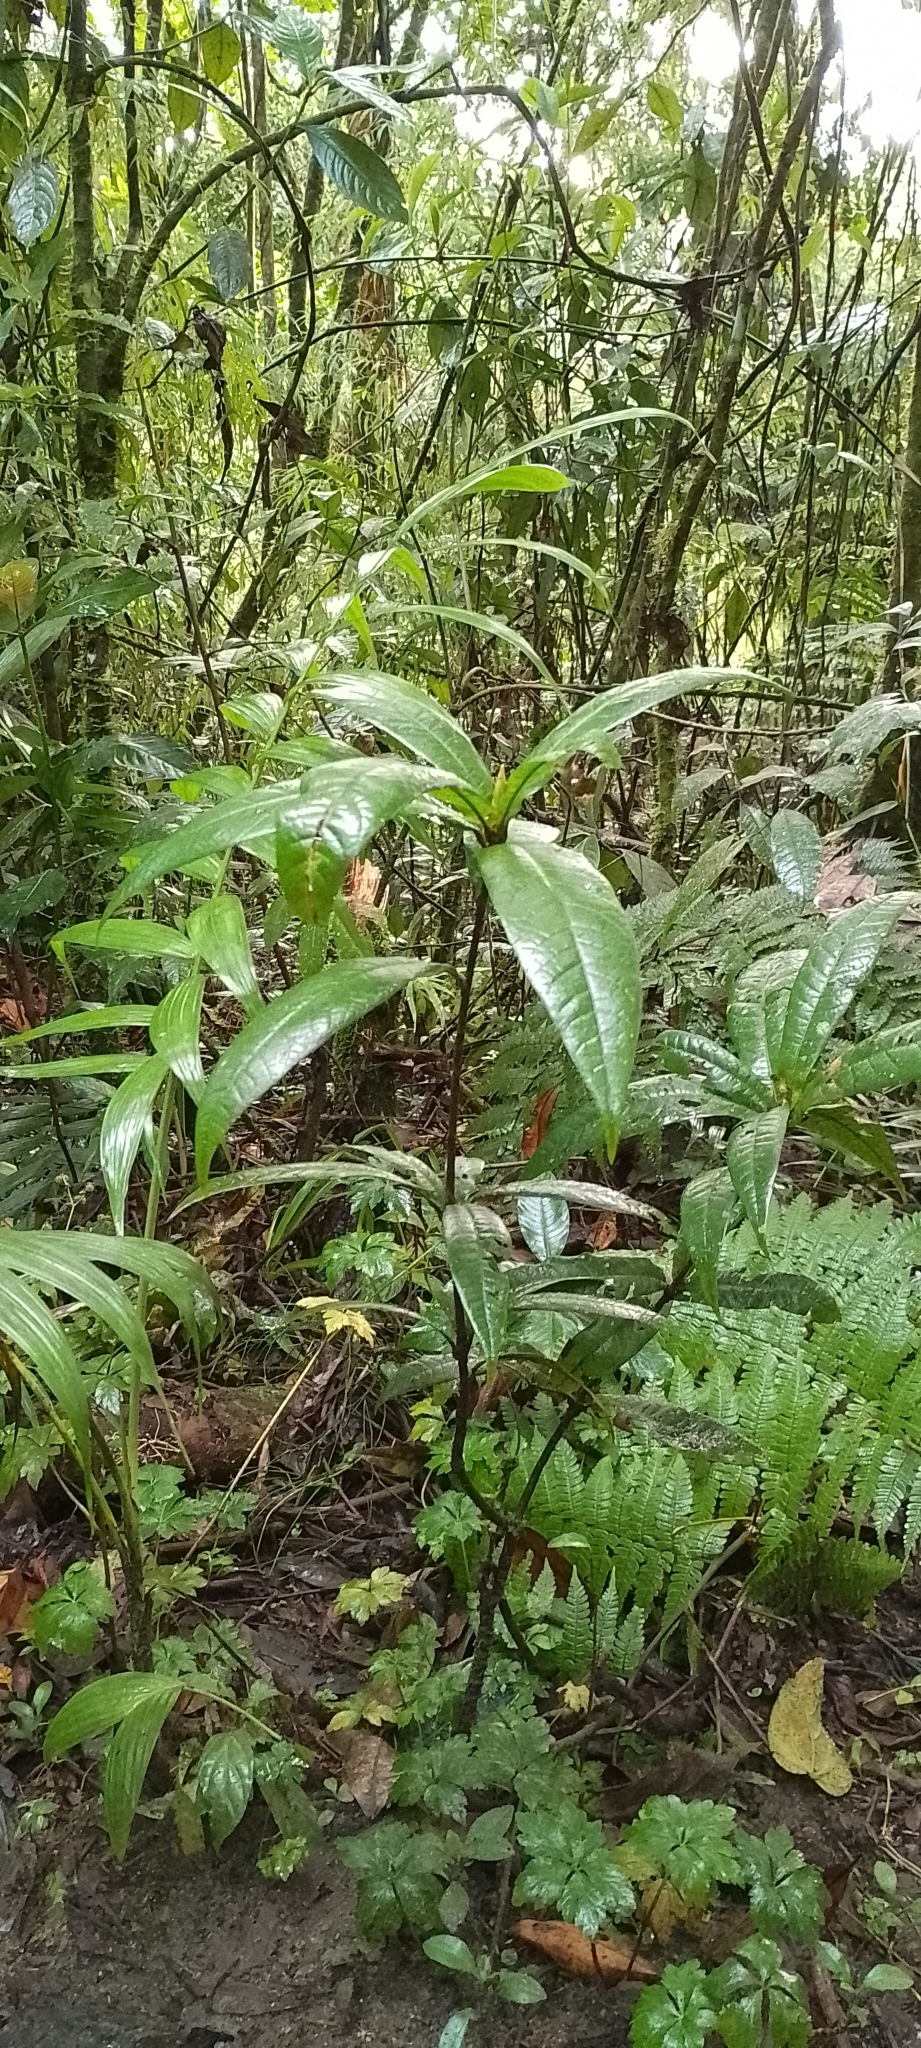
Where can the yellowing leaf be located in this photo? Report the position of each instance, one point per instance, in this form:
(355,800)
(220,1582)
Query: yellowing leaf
(18,586)
(664,1909)
(796,1737)
(338,1316)
(576,1698)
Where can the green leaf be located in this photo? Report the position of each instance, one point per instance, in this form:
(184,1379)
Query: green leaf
(574,943)
(136,937)
(240,821)
(166,1269)
(723,1071)
(286,1032)
(126,1761)
(536,477)
(689,1842)
(229,260)
(863,730)
(473,1237)
(75,1065)
(184,106)
(678,2013)
(411,717)
(310,874)
(67,1616)
(518,1987)
(889,1060)
(224,1782)
(786,1892)
(37,1335)
(887,1977)
(127,1122)
(664,105)
(477,622)
(753,1157)
(110,1017)
(298,38)
(99,1706)
(698,187)
(706,1207)
(29,898)
(838,1130)
(33,198)
(796,851)
(544,1224)
(796,1294)
(826,984)
(59,1261)
(175,1030)
(587,730)
(342,807)
(219,51)
(571,1868)
(451,1952)
(363,177)
(218,932)
(487,1839)
(454,2031)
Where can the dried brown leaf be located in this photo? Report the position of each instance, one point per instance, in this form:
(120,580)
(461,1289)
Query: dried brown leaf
(368,1770)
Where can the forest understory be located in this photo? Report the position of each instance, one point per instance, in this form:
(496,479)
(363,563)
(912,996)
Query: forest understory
(460,1025)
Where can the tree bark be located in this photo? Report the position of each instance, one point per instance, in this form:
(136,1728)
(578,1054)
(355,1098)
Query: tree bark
(905,578)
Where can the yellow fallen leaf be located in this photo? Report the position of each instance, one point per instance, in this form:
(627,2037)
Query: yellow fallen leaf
(576,1698)
(6,1676)
(664,1909)
(796,1737)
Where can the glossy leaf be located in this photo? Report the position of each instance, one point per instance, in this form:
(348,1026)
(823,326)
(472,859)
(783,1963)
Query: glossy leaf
(127,1122)
(286,1032)
(838,1130)
(583,1194)
(37,1336)
(796,851)
(136,937)
(56,1260)
(473,1239)
(298,37)
(229,261)
(127,1757)
(74,1065)
(363,177)
(826,984)
(721,1068)
(239,821)
(310,874)
(33,198)
(99,1706)
(707,1205)
(481,623)
(589,728)
(889,1060)
(224,1782)
(218,933)
(753,1157)
(345,803)
(411,717)
(544,1224)
(795,1293)
(175,1029)
(577,948)
(108,1017)
(166,1268)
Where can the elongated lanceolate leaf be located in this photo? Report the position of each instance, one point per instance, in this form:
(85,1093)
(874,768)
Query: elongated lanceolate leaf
(218,932)
(796,851)
(477,622)
(838,1130)
(75,1065)
(720,1067)
(136,937)
(706,1207)
(889,1060)
(166,1269)
(544,1224)
(473,1240)
(753,1157)
(589,727)
(759,985)
(126,1761)
(175,1029)
(826,984)
(345,804)
(237,822)
(110,1017)
(128,1120)
(58,1265)
(33,198)
(37,1336)
(581,1194)
(795,1293)
(99,1706)
(286,1032)
(572,940)
(411,717)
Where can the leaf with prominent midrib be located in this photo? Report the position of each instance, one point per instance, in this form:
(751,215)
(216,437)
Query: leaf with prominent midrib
(473,1238)
(126,1761)
(175,1031)
(217,930)
(357,171)
(411,717)
(826,984)
(706,1207)
(753,1157)
(284,1033)
(574,943)
(128,1119)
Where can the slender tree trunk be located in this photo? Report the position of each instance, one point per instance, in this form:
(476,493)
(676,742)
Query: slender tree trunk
(905,577)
